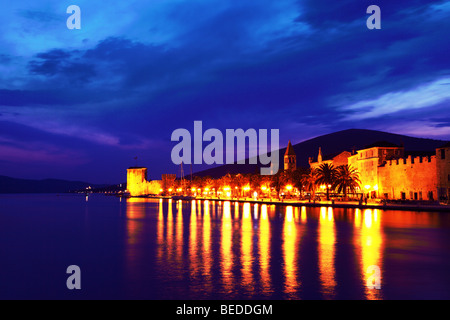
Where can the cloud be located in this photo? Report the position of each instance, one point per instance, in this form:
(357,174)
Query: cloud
(424,96)
(419,128)
(325,14)
(62,63)
(40,16)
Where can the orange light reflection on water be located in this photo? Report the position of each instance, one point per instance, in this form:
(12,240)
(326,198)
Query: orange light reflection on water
(290,250)
(264,249)
(246,248)
(327,240)
(193,240)
(241,244)
(207,254)
(370,243)
(226,248)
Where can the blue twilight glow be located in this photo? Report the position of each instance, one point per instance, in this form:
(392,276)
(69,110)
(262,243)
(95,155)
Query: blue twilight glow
(82,103)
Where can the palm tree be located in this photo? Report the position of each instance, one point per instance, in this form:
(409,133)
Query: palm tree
(296,178)
(347,179)
(326,175)
(278,181)
(309,181)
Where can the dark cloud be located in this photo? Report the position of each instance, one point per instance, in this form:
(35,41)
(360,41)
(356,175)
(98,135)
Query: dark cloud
(5,59)
(49,98)
(325,14)
(62,63)
(40,16)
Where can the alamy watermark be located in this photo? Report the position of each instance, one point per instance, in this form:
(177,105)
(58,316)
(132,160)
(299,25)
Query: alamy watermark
(374,21)
(235,147)
(74,280)
(74,20)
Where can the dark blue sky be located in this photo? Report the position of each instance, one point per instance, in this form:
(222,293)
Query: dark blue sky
(81,104)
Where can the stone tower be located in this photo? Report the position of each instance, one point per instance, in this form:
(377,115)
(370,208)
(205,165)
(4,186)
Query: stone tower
(138,185)
(319,157)
(290,158)
(136,181)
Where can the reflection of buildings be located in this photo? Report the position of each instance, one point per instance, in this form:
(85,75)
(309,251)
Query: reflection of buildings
(386,171)
(369,244)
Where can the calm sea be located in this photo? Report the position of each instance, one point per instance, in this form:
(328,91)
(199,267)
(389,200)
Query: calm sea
(161,249)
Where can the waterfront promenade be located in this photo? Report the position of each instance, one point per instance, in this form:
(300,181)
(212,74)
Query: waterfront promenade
(371,204)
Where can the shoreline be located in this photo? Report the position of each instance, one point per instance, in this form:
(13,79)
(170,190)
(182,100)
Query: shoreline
(344,205)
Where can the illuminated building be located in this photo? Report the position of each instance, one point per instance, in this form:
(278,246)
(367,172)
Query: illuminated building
(336,159)
(290,158)
(387,172)
(138,185)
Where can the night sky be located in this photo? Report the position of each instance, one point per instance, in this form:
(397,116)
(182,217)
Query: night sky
(81,104)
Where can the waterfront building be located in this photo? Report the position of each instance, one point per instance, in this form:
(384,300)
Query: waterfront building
(336,159)
(138,185)
(387,172)
(290,158)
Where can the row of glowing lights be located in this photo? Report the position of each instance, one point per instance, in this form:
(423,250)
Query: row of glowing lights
(367,187)
(246,188)
(263,188)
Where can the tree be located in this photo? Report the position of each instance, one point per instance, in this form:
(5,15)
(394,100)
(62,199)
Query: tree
(309,181)
(326,175)
(199,182)
(239,181)
(296,178)
(347,179)
(278,181)
(216,186)
(265,184)
(255,181)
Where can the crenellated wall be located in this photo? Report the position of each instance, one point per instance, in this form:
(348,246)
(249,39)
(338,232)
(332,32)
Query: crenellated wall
(137,184)
(408,178)
(385,172)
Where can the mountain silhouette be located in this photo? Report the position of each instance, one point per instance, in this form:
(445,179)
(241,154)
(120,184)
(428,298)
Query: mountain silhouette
(334,143)
(13,185)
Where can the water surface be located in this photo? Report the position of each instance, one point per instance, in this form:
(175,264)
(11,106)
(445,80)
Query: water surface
(155,249)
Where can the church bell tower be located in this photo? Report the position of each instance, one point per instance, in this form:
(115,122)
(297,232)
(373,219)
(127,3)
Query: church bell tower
(290,158)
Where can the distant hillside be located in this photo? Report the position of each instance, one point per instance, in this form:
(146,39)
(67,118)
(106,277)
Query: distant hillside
(352,139)
(13,185)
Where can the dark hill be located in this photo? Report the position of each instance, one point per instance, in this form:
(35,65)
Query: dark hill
(333,143)
(13,185)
